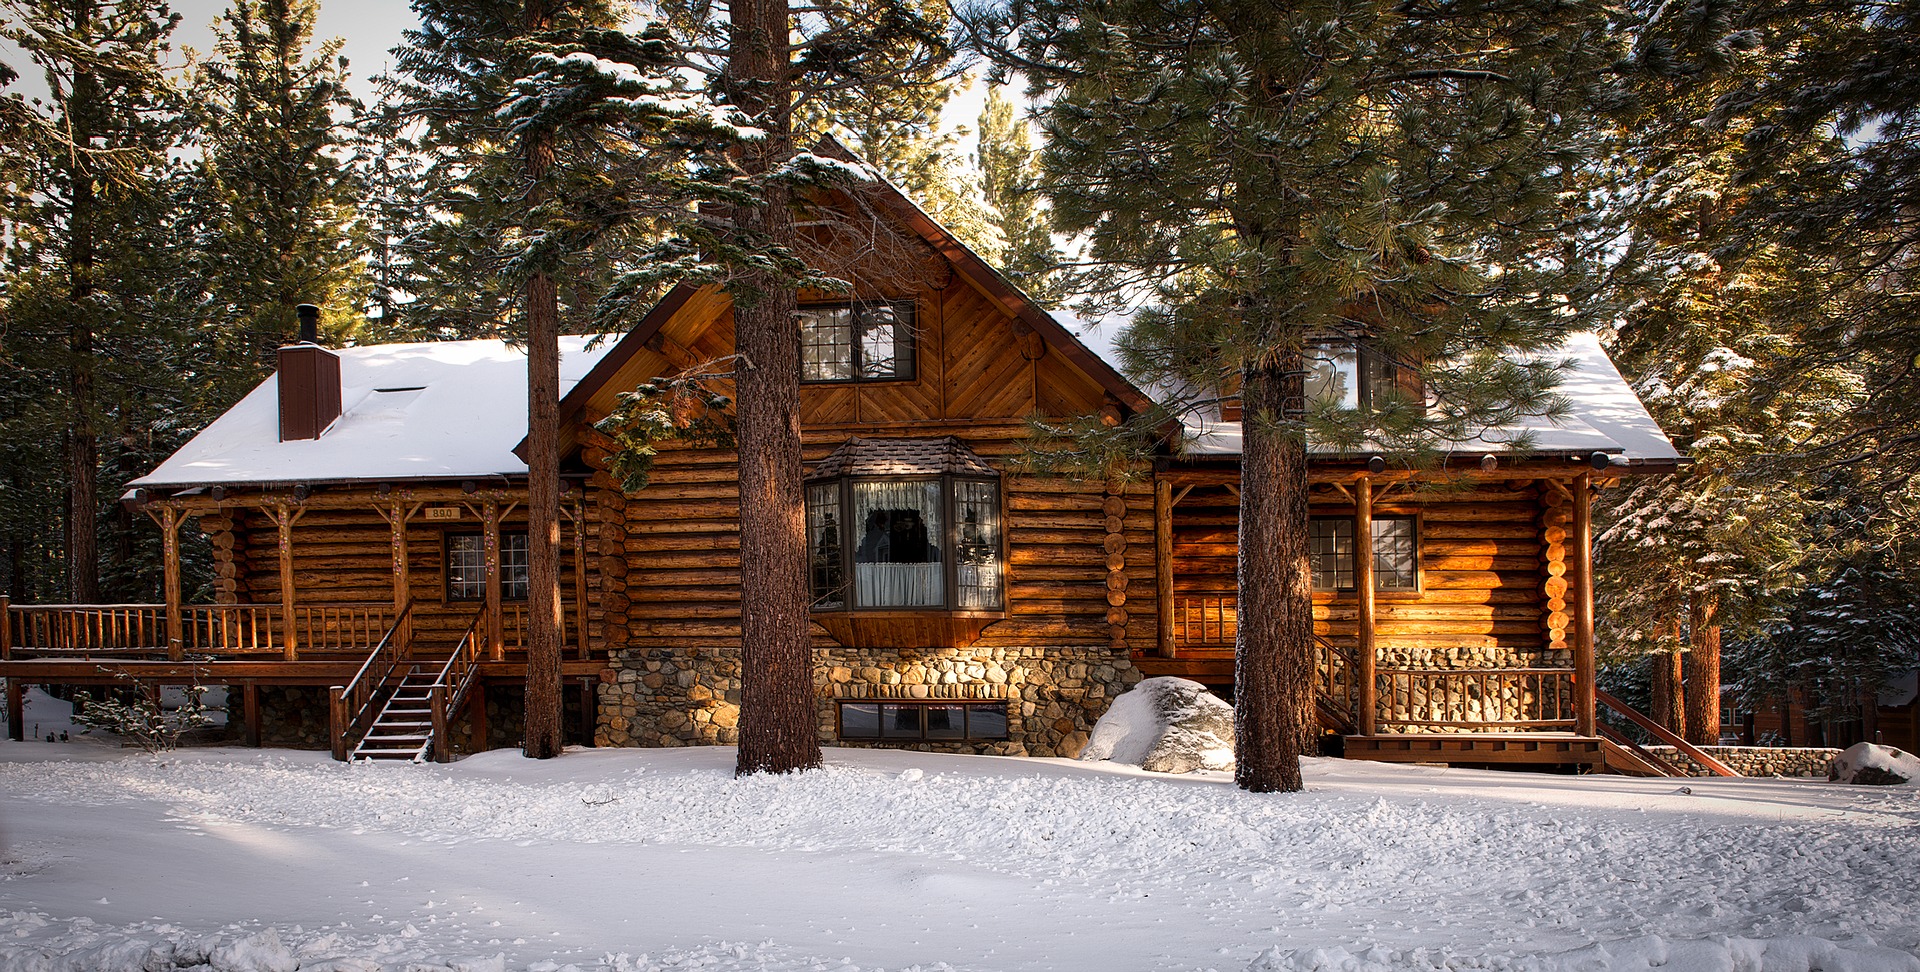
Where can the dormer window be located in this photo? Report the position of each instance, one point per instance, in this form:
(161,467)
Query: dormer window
(1355,377)
(870,341)
(903,529)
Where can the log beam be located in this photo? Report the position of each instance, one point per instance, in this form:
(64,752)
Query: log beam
(1365,654)
(1163,565)
(1585,714)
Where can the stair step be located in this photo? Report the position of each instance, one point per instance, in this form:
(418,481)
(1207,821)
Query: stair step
(397,737)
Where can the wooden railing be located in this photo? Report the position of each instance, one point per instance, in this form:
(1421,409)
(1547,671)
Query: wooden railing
(1665,735)
(86,629)
(455,680)
(352,707)
(342,627)
(1531,699)
(1524,699)
(231,629)
(1205,622)
(206,630)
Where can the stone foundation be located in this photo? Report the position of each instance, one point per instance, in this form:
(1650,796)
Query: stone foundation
(291,716)
(1755,760)
(691,697)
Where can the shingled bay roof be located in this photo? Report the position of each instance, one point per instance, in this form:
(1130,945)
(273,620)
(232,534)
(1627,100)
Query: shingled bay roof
(902,457)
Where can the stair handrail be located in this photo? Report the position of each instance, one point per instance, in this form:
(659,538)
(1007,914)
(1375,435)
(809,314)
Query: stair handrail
(360,694)
(451,685)
(1325,696)
(1664,734)
(1636,750)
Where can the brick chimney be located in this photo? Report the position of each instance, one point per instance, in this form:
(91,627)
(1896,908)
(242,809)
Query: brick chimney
(309,382)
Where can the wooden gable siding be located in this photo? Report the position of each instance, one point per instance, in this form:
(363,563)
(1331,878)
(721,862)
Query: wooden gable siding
(1483,572)
(679,587)
(345,556)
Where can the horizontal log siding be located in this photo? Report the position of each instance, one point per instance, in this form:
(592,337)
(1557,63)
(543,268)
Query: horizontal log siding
(1480,602)
(682,548)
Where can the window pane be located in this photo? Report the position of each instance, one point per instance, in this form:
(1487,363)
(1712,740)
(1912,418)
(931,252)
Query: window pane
(977,555)
(1330,545)
(900,721)
(825,561)
(466,567)
(826,344)
(859,720)
(987,721)
(946,721)
(1395,554)
(886,341)
(1333,375)
(513,566)
(897,561)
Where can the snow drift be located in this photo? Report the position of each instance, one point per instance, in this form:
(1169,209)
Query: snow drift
(1165,725)
(1870,765)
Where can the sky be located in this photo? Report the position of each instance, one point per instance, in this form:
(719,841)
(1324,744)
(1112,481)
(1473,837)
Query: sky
(369,28)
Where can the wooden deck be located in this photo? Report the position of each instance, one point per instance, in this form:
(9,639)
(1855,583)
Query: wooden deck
(1477,748)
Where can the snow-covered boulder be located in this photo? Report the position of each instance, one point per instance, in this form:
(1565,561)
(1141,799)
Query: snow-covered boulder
(1166,725)
(1871,765)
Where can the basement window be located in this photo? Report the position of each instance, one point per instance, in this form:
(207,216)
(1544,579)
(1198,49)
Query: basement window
(932,721)
(857,342)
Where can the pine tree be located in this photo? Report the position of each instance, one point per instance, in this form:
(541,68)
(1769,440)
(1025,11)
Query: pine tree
(277,188)
(1008,181)
(896,126)
(77,283)
(1267,177)
(545,123)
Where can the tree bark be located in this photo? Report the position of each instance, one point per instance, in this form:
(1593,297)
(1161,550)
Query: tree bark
(543,699)
(1703,672)
(1668,709)
(83,441)
(777,718)
(1273,658)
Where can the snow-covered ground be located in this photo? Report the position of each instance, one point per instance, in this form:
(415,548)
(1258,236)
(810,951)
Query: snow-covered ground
(271,860)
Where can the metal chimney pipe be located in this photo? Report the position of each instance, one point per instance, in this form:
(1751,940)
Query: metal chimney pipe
(309,323)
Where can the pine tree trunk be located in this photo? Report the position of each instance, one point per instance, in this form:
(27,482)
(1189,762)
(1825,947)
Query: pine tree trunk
(1274,717)
(83,443)
(777,718)
(543,699)
(1668,709)
(1703,673)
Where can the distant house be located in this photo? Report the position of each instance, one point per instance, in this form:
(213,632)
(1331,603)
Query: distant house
(366,514)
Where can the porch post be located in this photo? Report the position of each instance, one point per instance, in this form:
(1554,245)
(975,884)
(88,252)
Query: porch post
(580,574)
(290,643)
(1364,652)
(6,627)
(1163,565)
(337,720)
(170,551)
(496,644)
(250,702)
(1583,666)
(16,710)
(397,516)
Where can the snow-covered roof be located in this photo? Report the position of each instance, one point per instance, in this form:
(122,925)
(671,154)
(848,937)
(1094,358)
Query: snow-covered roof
(432,410)
(1605,415)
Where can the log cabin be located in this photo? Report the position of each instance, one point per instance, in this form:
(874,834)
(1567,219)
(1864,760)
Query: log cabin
(365,508)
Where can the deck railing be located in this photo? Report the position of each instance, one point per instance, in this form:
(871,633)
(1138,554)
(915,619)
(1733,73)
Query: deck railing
(1405,698)
(352,707)
(206,630)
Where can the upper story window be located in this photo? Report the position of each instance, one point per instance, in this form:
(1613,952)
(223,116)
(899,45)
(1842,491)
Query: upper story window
(857,342)
(467,566)
(905,524)
(1395,549)
(1355,377)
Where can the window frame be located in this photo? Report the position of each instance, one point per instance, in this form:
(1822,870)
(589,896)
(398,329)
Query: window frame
(965,705)
(446,567)
(1419,573)
(949,545)
(1353,561)
(905,329)
(1365,362)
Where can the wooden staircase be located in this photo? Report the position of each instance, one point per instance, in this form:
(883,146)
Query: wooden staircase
(398,706)
(404,727)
